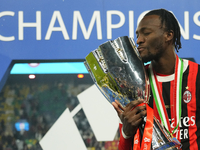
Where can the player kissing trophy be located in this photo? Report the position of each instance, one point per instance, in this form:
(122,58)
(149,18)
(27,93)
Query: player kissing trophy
(118,71)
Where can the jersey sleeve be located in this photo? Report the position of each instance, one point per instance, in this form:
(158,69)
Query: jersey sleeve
(125,143)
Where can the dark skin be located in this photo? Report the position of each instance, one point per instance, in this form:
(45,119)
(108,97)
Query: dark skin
(155,44)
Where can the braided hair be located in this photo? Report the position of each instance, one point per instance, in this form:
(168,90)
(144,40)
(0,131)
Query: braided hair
(170,22)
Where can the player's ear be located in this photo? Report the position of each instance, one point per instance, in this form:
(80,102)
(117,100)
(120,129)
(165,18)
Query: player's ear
(169,35)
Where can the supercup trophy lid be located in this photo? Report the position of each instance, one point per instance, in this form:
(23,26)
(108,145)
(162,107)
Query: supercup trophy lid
(118,71)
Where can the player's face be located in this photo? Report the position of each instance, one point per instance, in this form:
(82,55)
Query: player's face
(150,38)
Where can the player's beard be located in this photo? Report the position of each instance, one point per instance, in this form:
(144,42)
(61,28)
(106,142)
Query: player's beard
(153,56)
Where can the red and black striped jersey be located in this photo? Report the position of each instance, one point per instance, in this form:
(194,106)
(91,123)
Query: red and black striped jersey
(188,132)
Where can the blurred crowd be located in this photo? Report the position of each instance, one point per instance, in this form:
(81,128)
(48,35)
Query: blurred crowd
(40,105)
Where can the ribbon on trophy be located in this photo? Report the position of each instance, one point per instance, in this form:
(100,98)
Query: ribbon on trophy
(148,130)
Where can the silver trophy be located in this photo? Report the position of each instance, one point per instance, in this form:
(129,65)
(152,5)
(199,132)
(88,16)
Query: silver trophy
(118,71)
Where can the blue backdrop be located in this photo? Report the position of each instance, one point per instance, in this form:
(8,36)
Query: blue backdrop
(35,30)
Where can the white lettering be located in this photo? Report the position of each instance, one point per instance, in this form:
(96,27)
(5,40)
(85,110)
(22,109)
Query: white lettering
(111,26)
(78,18)
(96,18)
(131,24)
(22,25)
(185,121)
(180,124)
(180,131)
(57,15)
(182,134)
(193,120)
(185,133)
(197,22)
(7,13)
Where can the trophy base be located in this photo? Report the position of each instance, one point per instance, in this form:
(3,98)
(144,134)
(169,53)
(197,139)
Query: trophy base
(169,146)
(162,140)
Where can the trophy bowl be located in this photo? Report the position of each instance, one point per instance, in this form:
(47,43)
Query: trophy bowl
(119,73)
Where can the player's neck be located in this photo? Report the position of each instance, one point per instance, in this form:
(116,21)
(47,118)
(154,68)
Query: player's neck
(165,65)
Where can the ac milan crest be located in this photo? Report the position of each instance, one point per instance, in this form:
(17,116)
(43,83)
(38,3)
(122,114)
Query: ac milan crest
(187,96)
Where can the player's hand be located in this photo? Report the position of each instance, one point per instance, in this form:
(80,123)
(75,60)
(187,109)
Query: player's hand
(131,116)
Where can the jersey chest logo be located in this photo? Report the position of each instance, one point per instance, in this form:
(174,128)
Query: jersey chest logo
(187,96)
